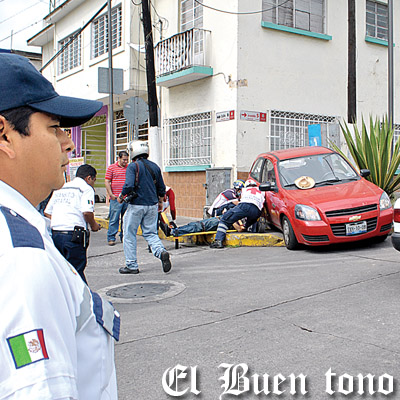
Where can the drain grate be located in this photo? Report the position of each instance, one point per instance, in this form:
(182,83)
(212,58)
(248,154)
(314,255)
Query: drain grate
(142,292)
(139,290)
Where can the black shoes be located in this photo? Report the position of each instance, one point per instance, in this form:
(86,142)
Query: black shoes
(217,244)
(166,263)
(172,224)
(126,270)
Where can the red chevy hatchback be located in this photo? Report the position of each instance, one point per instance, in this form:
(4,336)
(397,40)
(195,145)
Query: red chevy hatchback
(315,197)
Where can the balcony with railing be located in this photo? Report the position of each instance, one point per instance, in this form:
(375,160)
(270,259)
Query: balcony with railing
(184,57)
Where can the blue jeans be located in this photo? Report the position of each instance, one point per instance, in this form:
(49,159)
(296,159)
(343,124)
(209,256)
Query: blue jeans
(146,217)
(206,225)
(116,210)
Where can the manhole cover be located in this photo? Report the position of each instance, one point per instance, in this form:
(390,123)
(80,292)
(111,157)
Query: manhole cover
(142,292)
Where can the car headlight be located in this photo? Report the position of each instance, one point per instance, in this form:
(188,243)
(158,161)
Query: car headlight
(306,213)
(384,202)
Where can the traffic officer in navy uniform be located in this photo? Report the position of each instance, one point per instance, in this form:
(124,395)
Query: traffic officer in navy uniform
(56,337)
(71,210)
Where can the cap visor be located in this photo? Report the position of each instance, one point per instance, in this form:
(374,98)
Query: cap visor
(71,110)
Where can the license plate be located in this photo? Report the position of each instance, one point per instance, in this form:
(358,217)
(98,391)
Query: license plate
(356,228)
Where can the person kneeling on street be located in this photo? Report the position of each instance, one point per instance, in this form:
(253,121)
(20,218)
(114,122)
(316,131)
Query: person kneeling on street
(144,190)
(227,199)
(250,207)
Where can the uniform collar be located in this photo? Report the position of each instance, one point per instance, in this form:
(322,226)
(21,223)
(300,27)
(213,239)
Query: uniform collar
(14,200)
(81,183)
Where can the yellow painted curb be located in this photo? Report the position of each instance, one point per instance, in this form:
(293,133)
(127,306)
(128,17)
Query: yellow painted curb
(235,239)
(102,221)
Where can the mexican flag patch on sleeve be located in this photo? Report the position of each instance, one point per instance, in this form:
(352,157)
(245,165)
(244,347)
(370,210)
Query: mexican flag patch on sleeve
(28,348)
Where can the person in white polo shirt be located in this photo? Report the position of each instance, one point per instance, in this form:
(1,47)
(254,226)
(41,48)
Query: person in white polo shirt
(71,210)
(56,336)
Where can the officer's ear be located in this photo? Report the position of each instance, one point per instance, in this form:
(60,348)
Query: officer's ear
(6,134)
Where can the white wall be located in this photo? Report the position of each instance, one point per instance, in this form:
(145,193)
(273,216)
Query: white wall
(83,80)
(284,71)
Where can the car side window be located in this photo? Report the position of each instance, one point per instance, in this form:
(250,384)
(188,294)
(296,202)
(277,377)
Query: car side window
(257,168)
(269,172)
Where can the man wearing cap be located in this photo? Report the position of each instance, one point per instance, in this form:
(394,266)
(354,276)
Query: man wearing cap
(56,336)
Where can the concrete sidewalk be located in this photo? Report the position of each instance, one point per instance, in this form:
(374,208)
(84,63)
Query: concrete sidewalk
(234,239)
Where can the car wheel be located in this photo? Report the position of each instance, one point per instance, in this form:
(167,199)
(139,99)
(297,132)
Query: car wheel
(288,235)
(261,225)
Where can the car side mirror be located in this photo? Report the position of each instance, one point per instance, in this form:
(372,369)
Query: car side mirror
(365,172)
(268,187)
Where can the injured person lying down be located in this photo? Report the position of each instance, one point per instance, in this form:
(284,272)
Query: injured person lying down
(205,225)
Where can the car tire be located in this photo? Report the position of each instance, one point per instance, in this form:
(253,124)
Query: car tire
(261,225)
(289,237)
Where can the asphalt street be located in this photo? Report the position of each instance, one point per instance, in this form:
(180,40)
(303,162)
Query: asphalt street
(313,312)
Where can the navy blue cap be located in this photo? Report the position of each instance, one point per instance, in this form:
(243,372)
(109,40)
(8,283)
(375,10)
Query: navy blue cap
(21,84)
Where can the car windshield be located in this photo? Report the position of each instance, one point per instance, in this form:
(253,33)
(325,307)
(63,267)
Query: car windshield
(325,169)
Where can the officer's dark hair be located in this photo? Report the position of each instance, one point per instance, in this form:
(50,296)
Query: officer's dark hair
(123,153)
(86,170)
(19,118)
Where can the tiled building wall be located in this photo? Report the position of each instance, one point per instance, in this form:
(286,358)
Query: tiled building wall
(242,175)
(189,192)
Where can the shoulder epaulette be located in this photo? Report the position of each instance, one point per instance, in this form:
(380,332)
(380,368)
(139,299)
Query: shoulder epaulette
(23,233)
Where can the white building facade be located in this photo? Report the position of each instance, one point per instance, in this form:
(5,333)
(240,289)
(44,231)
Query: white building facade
(235,79)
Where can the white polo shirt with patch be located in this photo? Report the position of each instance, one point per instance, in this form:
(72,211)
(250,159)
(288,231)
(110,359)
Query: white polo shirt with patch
(55,334)
(68,204)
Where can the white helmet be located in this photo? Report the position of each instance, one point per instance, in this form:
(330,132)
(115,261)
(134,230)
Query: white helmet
(249,183)
(138,147)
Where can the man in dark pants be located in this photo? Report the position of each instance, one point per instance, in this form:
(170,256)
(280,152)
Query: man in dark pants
(250,207)
(71,209)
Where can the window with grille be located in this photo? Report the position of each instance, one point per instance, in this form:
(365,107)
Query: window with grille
(191,14)
(290,129)
(100,32)
(308,15)
(188,140)
(71,56)
(124,132)
(377,20)
(192,17)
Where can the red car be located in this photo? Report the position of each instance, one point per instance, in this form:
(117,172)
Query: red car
(315,197)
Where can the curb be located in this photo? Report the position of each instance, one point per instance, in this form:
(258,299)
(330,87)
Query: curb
(232,239)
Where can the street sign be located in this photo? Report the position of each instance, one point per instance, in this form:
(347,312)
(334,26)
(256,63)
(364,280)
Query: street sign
(103,80)
(225,116)
(253,116)
(136,110)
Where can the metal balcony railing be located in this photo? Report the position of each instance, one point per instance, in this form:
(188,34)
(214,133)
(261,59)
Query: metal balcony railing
(182,50)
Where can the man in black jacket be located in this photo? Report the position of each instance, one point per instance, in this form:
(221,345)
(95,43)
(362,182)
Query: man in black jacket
(144,190)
